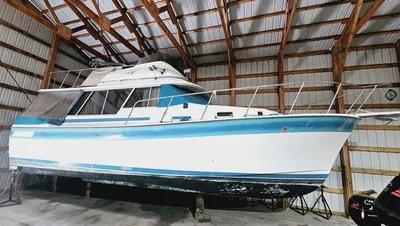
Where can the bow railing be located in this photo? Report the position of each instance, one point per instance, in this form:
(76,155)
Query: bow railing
(257,89)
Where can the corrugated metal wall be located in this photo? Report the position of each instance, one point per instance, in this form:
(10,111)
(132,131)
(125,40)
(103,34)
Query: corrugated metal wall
(24,51)
(366,145)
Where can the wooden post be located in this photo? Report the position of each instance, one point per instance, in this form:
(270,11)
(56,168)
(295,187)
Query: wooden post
(291,7)
(55,42)
(398,52)
(224,17)
(339,54)
(88,187)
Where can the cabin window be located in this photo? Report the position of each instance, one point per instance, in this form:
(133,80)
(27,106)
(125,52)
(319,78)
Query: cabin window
(180,97)
(114,100)
(79,103)
(100,102)
(143,94)
(94,105)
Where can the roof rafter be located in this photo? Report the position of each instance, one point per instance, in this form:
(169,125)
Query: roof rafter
(262,16)
(224,17)
(232,3)
(154,12)
(96,34)
(53,14)
(63,31)
(341,47)
(175,21)
(105,24)
(131,27)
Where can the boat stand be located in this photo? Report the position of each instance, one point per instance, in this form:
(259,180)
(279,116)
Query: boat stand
(13,197)
(272,205)
(201,215)
(326,212)
(55,183)
(303,208)
(88,186)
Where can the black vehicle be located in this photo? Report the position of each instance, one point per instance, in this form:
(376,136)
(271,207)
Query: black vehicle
(385,209)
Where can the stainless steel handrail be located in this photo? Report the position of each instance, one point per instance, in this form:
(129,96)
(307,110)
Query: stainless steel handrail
(257,88)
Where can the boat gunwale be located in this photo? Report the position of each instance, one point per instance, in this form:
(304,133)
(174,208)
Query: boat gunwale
(48,126)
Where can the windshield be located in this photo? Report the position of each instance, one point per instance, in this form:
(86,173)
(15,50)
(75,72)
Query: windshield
(178,91)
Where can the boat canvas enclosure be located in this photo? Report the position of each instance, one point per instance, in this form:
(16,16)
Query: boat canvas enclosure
(49,108)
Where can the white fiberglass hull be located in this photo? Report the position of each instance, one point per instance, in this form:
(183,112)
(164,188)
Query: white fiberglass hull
(251,164)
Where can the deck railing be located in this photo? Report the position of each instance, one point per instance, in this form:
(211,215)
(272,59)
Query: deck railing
(213,95)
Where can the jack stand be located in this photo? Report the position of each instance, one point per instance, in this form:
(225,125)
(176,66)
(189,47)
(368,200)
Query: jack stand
(13,191)
(55,183)
(201,214)
(88,185)
(327,210)
(303,211)
(274,205)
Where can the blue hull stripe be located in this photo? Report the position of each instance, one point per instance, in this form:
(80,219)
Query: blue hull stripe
(200,129)
(22,161)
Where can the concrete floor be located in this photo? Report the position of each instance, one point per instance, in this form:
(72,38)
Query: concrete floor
(46,208)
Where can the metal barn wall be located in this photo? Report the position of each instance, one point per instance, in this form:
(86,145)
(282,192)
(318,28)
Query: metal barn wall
(24,49)
(374,147)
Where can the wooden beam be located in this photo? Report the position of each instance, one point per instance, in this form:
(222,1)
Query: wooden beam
(141,7)
(61,30)
(398,52)
(291,6)
(344,20)
(391,173)
(39,18)
(367,34)
(368,14)
(131,27)
(224,17)
(374,149)
(53,14)
(28,54)
(105,24)
(89,49)
(340,50)
(152,8)
(322,70)
(16,49)
(341,47)
(370,171)
(18,89)
(77,59)
(3,127)
(51,59)
(95,33)
(178,28)
(12,108)
(378,127)
(17,69)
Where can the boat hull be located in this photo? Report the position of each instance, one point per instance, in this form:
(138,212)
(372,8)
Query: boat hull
(258,157)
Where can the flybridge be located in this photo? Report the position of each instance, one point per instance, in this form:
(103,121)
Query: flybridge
(115,75)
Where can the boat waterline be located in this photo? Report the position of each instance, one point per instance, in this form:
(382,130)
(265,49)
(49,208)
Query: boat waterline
(40,163)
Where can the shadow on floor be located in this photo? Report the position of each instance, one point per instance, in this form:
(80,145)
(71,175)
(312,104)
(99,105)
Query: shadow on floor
(153,200)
